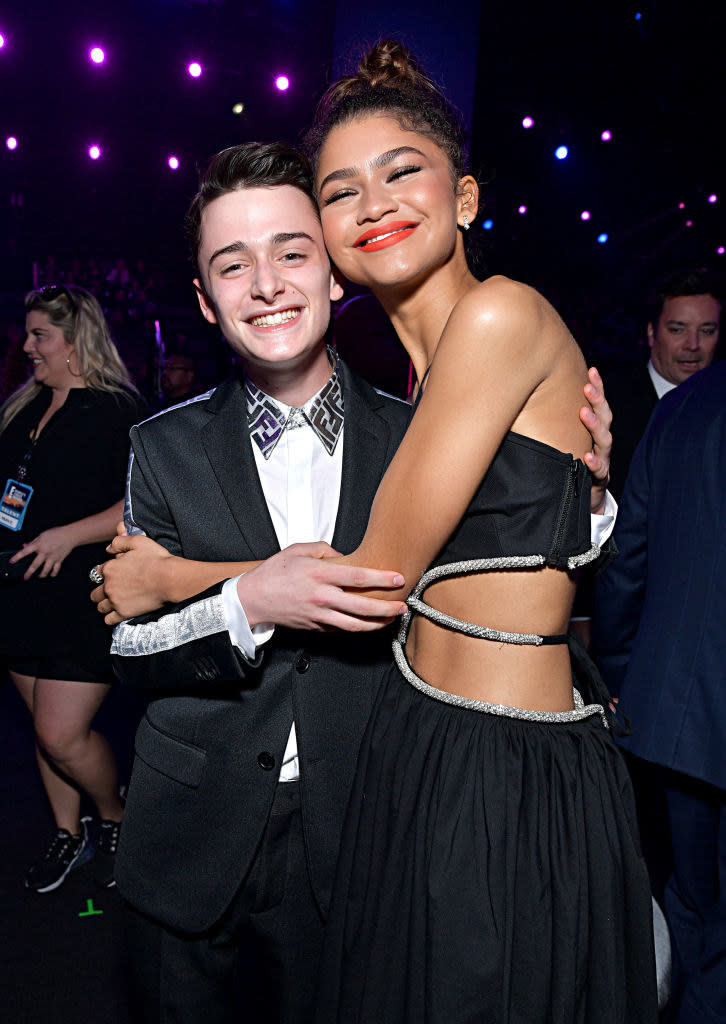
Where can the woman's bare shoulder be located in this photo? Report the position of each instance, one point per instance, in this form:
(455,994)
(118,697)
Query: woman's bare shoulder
(501,301)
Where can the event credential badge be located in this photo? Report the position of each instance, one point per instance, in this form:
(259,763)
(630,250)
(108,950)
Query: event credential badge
(14,504)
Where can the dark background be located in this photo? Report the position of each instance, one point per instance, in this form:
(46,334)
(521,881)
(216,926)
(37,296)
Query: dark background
(656,82)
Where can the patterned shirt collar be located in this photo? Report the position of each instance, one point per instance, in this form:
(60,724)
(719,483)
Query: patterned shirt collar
(323,412)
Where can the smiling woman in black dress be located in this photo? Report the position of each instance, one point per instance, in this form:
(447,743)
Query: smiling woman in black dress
(65,434)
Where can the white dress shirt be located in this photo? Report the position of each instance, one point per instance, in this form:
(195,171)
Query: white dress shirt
(661,385)
(301,484)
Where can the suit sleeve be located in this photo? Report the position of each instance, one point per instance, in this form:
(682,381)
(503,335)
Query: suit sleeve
(179,647)
(620,588)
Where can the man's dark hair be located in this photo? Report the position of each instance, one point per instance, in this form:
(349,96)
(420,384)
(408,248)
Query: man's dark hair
(250,165)
(683,282)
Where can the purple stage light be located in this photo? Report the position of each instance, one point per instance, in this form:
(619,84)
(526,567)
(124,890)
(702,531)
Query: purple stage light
(2,41)
(282,82)
(522,209)
(681,206)
(94,152)
(11,142)
(528,122)
(606,136)
(713,198)
(721,250)
(173,162)
(689,223)
(585,215)
(97,55)
(195,69)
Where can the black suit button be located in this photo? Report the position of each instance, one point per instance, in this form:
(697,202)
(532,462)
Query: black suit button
(266,760)
(302,663)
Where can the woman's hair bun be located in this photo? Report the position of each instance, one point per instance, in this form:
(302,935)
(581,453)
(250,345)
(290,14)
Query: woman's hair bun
(389,64)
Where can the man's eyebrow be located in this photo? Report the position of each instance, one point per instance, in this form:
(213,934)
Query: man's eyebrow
(279,238)
(380,161)
(227,250)
(290,236)
(684,323)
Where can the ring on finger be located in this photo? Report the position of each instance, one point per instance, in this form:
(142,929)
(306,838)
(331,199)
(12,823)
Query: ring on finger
(95,575)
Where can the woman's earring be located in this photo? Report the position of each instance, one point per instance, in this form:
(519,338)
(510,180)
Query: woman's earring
(465,225)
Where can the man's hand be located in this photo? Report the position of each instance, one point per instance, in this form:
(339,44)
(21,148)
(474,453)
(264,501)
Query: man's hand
(131,583)
(302,589)
(597,417)
(50,548)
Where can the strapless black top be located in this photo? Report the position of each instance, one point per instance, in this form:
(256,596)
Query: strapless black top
(533,500)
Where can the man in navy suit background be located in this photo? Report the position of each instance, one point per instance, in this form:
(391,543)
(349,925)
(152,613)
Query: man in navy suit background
(683,328)
(660,639)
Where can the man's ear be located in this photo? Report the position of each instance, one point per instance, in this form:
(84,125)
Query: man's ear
(467,199)
(336,284)
(205,303)
(651,335)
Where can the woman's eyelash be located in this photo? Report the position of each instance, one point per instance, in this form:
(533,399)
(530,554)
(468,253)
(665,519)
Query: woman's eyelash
(400,171)
(337,195)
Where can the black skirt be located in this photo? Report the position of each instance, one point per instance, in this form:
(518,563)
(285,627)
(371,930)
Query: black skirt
(490,873)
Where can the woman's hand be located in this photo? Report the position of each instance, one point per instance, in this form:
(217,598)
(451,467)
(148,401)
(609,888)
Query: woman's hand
(133,579)
(597,417)
(51,548)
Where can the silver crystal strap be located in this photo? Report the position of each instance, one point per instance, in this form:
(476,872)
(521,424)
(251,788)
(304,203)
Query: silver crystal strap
(196,620)
(579,712)
(417,606)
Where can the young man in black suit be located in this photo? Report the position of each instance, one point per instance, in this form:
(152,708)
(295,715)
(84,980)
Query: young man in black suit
(247,749)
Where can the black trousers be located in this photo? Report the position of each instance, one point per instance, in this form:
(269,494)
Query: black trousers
(695,899)
(259,964)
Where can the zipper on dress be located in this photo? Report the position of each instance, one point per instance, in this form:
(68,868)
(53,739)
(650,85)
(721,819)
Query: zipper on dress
(571,490)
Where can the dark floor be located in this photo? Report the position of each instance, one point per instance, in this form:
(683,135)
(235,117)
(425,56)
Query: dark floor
(59,964)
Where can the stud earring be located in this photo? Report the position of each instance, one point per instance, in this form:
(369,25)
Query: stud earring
(465,225)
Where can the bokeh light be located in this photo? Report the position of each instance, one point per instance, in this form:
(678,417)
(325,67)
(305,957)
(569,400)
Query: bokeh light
(522,209)
(173,162)
(195,69)
(528,122)
(11,142)
(606,136)
(585,215)
(713,198)
(562,152)
(2,40)
(97,55)
(488,224)
(721,250)
(602,238)
(681,206)
(94,152)
(238,108)
(282,82)
(689,223)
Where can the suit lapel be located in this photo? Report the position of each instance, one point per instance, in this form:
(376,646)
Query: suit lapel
(366,443)
(226,442)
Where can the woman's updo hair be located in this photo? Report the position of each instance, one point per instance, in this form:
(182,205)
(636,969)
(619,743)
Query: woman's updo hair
(389,81)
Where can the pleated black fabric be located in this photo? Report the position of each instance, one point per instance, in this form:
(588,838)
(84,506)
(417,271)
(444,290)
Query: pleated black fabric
(490,874)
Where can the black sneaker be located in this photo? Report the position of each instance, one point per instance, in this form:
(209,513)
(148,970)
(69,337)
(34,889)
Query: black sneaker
(108,834)
(64,853)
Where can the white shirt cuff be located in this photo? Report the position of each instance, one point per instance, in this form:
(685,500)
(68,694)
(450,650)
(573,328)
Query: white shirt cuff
(243,637)
(602,524)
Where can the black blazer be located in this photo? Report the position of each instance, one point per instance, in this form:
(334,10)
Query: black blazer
(209,749)
(660,630)
(632,398)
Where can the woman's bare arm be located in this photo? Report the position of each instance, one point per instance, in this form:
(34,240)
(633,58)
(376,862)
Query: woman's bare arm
(499,348)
